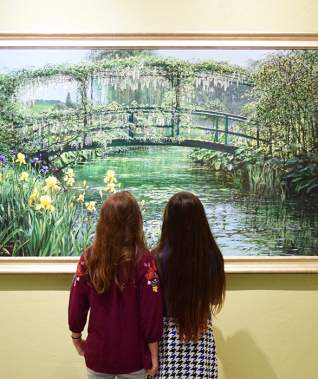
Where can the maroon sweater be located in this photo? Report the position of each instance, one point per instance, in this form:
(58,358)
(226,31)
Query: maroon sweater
(121,322)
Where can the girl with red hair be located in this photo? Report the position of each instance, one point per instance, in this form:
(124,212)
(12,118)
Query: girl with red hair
(117,281)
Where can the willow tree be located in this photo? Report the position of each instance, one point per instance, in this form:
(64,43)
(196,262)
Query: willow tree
(286,102)
(10,115)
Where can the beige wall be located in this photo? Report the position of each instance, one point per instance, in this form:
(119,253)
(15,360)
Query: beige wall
(133,16)
(268,328)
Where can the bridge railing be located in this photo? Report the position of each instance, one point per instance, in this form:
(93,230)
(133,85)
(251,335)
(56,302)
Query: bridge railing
(221,125)
(225,127)
(133,122)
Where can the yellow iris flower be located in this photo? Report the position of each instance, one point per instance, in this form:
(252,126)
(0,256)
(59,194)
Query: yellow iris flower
(81,198)
(69,180)
(1,177)
(51,184)
(70,172)
(33,197)
(110,187)
(91,206)
(110,181)
(45,203)
(24,177)
(110,177)
(20,159)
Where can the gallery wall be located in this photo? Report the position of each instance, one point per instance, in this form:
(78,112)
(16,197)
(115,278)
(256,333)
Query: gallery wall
(177,16)
(268,328)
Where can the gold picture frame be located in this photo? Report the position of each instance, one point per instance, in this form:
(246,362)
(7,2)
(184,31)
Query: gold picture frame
(233,264)
(164,40)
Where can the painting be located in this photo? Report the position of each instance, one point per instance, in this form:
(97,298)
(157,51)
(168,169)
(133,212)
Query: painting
(237,127)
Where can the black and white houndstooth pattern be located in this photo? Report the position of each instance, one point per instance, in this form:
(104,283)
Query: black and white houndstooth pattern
(186,360)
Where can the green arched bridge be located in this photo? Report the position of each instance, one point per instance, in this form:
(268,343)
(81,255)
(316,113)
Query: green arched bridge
(78,130)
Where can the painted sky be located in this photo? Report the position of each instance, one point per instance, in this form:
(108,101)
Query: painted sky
(16,59)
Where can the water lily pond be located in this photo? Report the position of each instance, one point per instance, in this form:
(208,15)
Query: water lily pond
(242,225)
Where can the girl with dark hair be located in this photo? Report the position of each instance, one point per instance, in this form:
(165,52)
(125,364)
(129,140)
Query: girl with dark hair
(191,270)
(117,281)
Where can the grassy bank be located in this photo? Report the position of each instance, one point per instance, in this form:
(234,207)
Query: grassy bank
(253,171)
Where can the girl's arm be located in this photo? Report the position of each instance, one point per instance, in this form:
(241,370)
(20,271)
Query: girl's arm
(78,342)
(78,306)
(150,304)
(153,347)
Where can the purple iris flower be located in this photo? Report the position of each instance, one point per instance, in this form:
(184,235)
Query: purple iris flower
(3,159)
(36,160)
(44,168)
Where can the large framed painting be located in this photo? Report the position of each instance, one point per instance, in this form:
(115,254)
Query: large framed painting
(233,119)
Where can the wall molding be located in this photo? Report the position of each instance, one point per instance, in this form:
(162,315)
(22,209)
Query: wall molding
(168,36)
(233,265)
(166,40)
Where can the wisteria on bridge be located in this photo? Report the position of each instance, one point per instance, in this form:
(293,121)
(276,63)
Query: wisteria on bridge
(92,123)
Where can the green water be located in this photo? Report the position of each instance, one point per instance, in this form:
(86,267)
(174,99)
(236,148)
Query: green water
(242,225)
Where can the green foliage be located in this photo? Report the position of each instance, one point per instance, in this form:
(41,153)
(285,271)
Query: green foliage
(286,102)
(101,54)
(42,106)
(27,228)
(248,168)
(173,68)
(215,105)
(74,157)
(257,173)
(301,174)
(217,161)
(9,109)
(9,139)
(224,68)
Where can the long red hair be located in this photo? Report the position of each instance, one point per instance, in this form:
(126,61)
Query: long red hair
(118,242)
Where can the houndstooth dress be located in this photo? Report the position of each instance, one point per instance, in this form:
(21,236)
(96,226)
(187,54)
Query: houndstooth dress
(186,360)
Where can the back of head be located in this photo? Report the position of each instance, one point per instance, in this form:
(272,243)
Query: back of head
(194,278)
(119,239)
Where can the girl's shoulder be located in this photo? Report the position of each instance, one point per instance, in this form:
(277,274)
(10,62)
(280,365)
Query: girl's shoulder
(148,272)
(82,265)
(144,257)
(81,274)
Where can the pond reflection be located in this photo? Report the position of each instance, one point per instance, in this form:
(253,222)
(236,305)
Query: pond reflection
(241,224)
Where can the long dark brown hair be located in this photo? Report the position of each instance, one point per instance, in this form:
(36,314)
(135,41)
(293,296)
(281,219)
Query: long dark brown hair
(118,242)
(193,268)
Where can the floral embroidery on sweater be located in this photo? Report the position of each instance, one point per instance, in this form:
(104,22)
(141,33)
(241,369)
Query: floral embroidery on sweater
(80,271)
(152,276)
